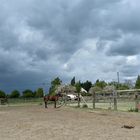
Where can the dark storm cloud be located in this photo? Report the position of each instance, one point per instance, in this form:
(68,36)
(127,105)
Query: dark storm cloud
(50,38)
(126,46)
(130,71)
(127,17)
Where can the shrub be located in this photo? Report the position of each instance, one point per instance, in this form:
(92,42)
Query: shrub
(2,94)
(28,93)
(84,106)
(39,92)
(133,110)
(15,94)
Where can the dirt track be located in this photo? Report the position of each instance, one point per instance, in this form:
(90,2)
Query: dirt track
(37,123)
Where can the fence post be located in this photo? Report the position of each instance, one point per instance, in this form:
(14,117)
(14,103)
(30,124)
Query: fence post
(136,102)
(115,99)
(79,99)
(65,98)
(93,99)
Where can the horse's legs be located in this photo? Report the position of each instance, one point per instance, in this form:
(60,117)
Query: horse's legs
(55,104)
(46,104)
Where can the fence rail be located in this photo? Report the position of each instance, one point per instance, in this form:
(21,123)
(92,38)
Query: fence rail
(107,102)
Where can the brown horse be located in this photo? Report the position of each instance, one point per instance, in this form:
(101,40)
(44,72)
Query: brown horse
(51,98)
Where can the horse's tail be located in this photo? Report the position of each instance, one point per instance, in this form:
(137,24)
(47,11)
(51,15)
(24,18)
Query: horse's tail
(44,98)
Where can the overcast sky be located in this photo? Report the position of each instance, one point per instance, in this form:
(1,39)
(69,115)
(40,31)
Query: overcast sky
(89,39)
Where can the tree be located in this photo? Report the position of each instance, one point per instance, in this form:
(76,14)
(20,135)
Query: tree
(39,92)
(78,89)
(2,94)
(120,86)
(73,81)
(137,84)
(28,93)
(100,84)
(56,82)
(15,94)
(86,85)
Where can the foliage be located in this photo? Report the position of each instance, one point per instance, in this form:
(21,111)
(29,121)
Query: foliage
(137,84)
(78,87)
(86,85)
(28,93)
(15,94)
(39,92)
(73,81)
(100,84)
(133,110)
(2,94)
(123,86)
(84,106)
(56,82)
(120,86)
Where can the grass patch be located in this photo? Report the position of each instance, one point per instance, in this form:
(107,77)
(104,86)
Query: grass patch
(121,106)
(84,106)
(133,110)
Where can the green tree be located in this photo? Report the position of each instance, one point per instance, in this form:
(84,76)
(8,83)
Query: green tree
(100,84)
(2,94)
(78,89)
(137,84)
(28,93)
(39,92)
(120,86)
(56,82)
(86,85)
(73,81)
(15,94)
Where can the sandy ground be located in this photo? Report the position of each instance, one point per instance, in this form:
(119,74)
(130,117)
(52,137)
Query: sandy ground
(38,123)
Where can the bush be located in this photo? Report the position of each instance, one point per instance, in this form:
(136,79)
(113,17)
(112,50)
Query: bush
(2,94)
(28,94)
(15,94)
(39,92)
(133,110)
(84,106)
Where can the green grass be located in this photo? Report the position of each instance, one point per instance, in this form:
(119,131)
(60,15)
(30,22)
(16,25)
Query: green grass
(25,102)
(122,106)
(22,102)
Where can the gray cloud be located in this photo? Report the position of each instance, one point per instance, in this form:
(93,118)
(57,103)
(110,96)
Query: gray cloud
(127,45)
(43,39)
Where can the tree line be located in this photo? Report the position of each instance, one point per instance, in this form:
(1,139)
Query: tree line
(25,94)
(78,84)
(99,83)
